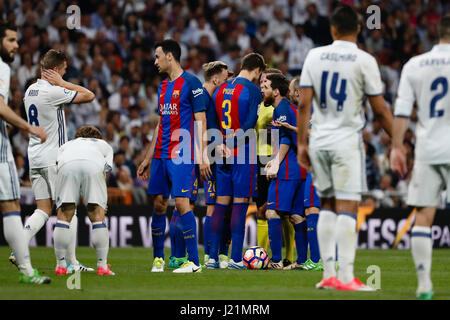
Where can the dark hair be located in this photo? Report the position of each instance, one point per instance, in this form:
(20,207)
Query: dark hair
(170,45)
(53,58)
(5,25)
(280,82)
(88,132)
(345,20)
(252,61)
(444,27)
(272,70)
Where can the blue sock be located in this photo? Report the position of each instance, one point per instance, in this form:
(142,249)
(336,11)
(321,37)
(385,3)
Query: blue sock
(172,226)
(301,242)
(207,234)
(275,238)
(158,234)
(216,230)
(226,237)
(311,223)
(189,228)
(176,237)
(238,216)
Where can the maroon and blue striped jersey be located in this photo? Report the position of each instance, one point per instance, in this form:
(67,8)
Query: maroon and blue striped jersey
(178,101)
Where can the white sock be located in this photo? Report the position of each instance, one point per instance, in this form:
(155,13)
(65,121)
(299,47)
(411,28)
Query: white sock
(100,241)
(15,236)
(346,239)
(61,240)
(34,223)
(421,248)
(71,257)
(327,243)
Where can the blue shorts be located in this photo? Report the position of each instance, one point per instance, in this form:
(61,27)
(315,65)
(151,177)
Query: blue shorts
(311,197)
(168,178)
(236,180)
(286,196)
(210,187)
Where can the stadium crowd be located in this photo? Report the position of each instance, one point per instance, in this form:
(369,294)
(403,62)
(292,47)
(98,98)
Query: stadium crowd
(111,53)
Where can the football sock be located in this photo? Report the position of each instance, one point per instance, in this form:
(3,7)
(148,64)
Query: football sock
(421,249)
(71,256)
(262,233)
(289,238)
(311,223)
(226,237)
(61,240)
(327,243)
(180,245)
(34,223)
(172,226)
(217,221)
(346,239)
(275,238)
(238,216)
(15,236)
(158,233)
(207,234)
(100,241)
(189,228)
(301,242)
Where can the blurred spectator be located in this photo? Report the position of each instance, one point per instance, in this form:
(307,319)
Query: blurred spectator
(297,47)
(317,27)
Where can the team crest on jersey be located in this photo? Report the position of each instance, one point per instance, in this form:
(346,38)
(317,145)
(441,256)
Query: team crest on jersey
(175,94)
(2,83)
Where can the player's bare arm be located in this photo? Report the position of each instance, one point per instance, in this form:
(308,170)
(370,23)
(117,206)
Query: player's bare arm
(398,154)
(280,124)
(143,171)
(84,95)
(11,117)
(304,114)
(205,170)
(382,113)
(273,165)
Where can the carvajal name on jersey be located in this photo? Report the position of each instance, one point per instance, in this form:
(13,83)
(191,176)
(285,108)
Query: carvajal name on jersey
(434,62)
(333,56)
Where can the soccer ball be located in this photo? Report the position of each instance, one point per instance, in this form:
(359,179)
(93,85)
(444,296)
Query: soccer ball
(256,258)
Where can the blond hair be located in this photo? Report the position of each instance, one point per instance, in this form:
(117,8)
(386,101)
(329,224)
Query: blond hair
(210,69)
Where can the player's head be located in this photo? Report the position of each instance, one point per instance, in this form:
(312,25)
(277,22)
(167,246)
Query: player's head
(8,41)
(265,73)
(344,22)
(88,132)
(215,73)
(274,88)
(230,74)
(167,52)
(444,29)
(54,60)
(294,90)
(254,64)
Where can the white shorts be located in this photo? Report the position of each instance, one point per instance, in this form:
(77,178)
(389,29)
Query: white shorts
(81,178)
(9,181)
(339,174)
(427,183)
(43,182)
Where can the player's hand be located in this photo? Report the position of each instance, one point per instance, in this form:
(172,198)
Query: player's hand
(223,151)
(303,157)
(279,124)
(205,167)
(272,168)
(53,77)
(39,132)
(143,171)
(398,161)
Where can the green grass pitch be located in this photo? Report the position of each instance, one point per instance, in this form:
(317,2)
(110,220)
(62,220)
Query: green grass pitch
(134,280)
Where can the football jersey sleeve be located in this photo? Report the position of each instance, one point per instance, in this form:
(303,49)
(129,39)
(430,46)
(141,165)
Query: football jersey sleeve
(196,95)
(4,82)
(60,95)
(306,80)
(405,94)
(372,78)
(283,115)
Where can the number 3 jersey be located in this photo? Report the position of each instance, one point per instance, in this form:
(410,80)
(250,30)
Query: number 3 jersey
(425,80)
(341,75)
(44,105)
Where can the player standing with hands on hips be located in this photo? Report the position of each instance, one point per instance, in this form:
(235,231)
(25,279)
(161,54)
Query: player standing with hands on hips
(425,80)
(337,77)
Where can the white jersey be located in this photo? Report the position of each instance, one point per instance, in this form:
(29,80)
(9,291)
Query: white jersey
(425,79)
(341,75)
(5,147)
(44,105)
(95,150)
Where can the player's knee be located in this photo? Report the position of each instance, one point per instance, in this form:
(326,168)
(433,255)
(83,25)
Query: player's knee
(66,211)
(296,219)
(182,204)
(159,206)
(95,212)
(272,214)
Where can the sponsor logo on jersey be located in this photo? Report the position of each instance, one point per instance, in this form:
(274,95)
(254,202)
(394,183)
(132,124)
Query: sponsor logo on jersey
(281,118)
(66,91)
(197,92)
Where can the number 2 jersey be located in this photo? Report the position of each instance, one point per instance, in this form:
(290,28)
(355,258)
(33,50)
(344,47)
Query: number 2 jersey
(425,80)
(44,105)
(341,75)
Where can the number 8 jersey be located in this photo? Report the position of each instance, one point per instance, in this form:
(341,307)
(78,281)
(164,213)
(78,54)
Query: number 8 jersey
(341,75)
(44,105)
(425,79)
